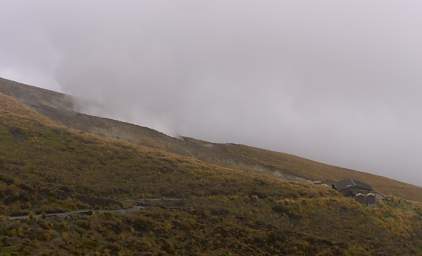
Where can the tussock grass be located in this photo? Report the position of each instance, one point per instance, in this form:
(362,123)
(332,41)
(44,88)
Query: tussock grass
(45,167)
(58,107)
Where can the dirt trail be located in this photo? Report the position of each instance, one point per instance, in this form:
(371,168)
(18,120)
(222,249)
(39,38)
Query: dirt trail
(69,214)
(168,203)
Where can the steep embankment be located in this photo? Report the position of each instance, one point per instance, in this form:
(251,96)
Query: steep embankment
(47,168)
(59,107)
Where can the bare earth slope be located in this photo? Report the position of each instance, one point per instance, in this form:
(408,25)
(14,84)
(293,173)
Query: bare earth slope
(59,108)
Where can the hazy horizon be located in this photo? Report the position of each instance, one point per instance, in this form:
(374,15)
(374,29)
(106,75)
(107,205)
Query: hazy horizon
(333,81)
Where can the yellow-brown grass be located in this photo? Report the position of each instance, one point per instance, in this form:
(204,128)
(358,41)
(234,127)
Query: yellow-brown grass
(46,168)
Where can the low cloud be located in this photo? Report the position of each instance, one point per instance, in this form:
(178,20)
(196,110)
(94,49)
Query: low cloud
(336,81)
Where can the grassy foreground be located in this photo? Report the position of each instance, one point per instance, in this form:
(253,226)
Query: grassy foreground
(47,168)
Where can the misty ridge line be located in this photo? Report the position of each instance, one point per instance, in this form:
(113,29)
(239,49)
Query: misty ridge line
(60,107)
(336,81)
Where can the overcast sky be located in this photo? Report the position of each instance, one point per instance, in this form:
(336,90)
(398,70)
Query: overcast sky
(333,80)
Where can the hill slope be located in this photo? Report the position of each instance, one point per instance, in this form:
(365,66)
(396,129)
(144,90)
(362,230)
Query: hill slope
(59,108)
(44,167)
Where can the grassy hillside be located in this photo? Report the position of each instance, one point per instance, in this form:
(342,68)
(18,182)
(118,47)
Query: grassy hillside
(58,107)
(45,167)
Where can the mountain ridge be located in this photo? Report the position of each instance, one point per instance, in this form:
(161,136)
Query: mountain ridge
(60,108)
(49,171)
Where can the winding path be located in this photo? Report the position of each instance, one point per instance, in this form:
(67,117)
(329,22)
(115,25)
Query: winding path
(141,205)
(87,212)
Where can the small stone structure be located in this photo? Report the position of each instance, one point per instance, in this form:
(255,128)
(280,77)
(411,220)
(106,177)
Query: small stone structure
(352,187)
(368,199)
(360,191)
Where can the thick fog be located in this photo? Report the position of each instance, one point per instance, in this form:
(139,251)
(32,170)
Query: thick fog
(333,80)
